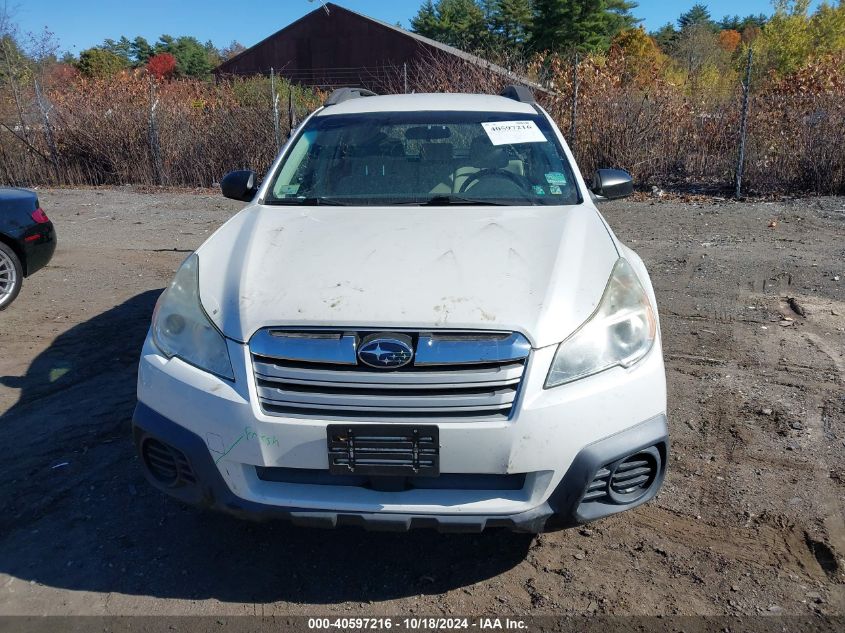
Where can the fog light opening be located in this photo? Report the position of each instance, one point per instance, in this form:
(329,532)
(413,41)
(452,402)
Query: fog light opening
(632,477)
(165,464)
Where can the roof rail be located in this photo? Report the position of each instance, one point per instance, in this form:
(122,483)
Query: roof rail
(518,93)
(344,94)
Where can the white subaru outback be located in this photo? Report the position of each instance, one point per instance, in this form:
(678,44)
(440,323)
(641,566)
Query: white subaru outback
(419,320)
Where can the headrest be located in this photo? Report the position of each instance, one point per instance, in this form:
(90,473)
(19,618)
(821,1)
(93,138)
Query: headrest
(366,143)
(436,151)
(484,155)
(393,147)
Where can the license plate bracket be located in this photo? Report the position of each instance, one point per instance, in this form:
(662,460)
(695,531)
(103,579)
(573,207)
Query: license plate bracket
(384,450)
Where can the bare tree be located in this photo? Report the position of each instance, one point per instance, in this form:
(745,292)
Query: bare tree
(13,65)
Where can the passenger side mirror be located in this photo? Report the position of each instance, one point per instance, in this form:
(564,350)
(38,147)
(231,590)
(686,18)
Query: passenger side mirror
(612,183)
(240,185)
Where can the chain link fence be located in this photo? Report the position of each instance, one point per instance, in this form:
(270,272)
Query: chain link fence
(778,138)
(771,138)
(137,131)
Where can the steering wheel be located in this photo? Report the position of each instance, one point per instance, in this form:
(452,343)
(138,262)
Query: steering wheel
(496,172)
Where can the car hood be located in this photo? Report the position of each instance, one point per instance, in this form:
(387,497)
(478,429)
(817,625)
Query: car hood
(536,270)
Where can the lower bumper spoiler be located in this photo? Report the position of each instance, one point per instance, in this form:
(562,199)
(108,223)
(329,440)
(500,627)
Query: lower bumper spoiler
(566,507)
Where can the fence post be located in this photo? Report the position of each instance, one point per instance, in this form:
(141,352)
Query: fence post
(743,126)
(48,131)
(291,112)
(155,149)
(405,75)
(573,125)
(275,96)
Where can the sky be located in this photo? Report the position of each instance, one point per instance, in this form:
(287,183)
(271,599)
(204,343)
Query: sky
(80,24)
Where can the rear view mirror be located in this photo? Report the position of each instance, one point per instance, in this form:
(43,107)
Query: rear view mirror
(427,133)
(240,185)
(612,183)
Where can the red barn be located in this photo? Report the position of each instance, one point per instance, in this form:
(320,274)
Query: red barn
(333,46)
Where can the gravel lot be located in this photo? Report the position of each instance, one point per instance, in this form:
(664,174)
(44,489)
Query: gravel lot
(750,520)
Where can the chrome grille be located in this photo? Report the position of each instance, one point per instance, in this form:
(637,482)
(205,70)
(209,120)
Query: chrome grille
(453,375)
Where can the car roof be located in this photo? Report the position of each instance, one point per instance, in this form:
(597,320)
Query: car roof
(429,102)
(16,193)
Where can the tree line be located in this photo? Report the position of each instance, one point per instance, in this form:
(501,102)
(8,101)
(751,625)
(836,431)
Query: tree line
(696,42)
(167,57)
(665,105)
(183,56)
(524,25)
(510,32)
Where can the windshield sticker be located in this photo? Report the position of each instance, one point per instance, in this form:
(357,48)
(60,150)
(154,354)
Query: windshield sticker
(554,189)
(289,189)
(539,190)
(556,178)
(511,132)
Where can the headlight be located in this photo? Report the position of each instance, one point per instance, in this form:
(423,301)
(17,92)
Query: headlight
(620,332)
(181,328)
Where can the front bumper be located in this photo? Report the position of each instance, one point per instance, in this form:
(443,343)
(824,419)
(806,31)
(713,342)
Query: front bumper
(555,439)
(201,484)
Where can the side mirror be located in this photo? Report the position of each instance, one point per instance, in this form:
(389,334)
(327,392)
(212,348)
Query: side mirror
(239,185)
(612,183)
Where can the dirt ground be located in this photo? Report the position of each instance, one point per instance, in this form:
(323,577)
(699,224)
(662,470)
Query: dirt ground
(750,520)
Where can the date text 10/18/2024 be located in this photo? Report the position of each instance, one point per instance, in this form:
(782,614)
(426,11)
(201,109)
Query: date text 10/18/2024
(417,624)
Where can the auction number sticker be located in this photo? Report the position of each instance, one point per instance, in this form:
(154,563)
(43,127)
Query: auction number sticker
(511,132)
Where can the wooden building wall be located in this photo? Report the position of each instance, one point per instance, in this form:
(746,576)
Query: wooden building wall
(338,48)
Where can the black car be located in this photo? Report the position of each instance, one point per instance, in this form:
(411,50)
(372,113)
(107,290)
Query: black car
(27,240)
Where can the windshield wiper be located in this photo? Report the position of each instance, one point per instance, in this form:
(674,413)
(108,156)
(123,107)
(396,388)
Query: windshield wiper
(442,200)
(434,201)
(445,200)
(310,202)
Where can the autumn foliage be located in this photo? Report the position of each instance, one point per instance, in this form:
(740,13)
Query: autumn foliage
(631,115)
(105,131)
(634,115)
(729,40)
(667,112)
(162,66)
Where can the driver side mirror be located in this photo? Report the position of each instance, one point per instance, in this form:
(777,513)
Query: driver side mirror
(240,185)
(612,184)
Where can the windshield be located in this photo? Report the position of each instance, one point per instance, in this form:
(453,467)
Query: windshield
(390,158)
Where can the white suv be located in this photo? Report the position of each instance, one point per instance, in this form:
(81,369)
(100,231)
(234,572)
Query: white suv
(420,320)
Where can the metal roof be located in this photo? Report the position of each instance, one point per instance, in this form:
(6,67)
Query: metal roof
(450,50)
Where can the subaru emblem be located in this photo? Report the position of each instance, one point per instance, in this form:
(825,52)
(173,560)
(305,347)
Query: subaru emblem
(386,351)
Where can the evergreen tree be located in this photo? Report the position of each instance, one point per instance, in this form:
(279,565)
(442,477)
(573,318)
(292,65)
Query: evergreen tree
(122,48)
(141,50)
(730,23)
(758,21)
(557,25)
(665,36)
(100,63)
(564,25)
(619,17)
(509,20)
(212,54)
(459,23)
(737,23)
(699,15)
(191,56)
(425,22)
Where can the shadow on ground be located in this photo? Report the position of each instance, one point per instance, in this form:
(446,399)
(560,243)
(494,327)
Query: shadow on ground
(77,513)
